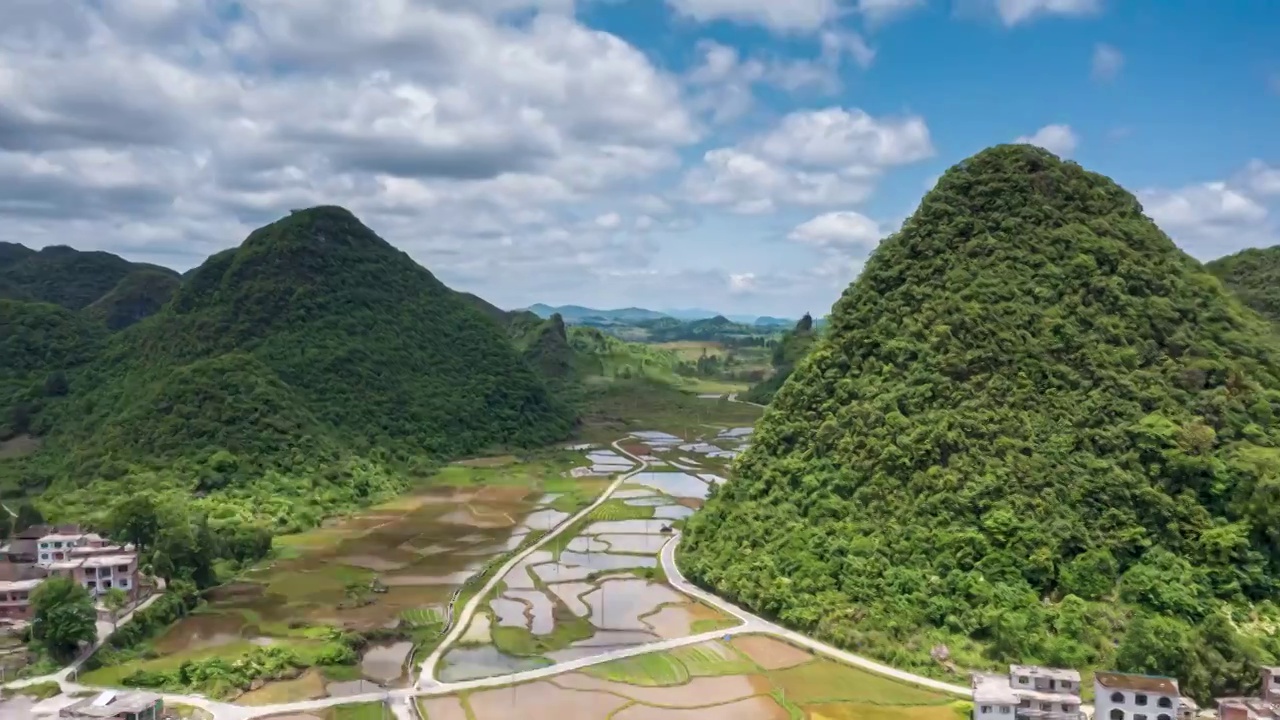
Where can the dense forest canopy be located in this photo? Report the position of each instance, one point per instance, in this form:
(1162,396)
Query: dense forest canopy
(1254,276)
(311,362)
(1033,428)
(64,276)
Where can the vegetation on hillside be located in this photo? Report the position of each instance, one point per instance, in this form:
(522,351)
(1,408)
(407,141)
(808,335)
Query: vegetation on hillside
(63,276)
(308,370)
(139,295)
(789,350)
(1253,276)
(1035,431)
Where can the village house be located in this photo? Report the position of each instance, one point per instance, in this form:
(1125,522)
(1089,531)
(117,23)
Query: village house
(1266,706)
(1121,696)
(43,551)
(115,705)
(1027,693)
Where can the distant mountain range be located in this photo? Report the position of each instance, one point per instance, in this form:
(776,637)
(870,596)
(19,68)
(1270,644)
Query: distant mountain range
(573,314)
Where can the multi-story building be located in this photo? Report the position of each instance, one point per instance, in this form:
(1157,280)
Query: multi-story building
(57,547)
(1122,696)
(1266,706)
(1027,693)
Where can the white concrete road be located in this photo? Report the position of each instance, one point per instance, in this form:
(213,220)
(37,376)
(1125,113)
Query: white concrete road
(399,700)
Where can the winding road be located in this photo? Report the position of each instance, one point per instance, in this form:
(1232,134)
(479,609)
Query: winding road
(400,700)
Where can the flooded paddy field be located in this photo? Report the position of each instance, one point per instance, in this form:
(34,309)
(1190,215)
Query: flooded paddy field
(748,678)
(597,588)
(386,574)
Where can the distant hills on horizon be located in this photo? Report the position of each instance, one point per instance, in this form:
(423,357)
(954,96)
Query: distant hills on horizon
(577,313)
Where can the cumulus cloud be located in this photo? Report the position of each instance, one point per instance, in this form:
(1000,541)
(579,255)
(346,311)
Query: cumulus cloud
(723,82)
(844,230)
(879,11)
(1057,139)
(1216,218)
(789,16)
(167,130)
(1107,62)
(1017,12)
(819,158)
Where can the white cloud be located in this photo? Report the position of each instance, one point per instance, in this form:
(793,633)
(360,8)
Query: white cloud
(836,137)
(1016,12)
(167,130)
(1057,139)
(879,11)
(1217,218)
(843,230)
(789,16)
(812,159)
(1261,179)
(1107,62)
(723,83)
(742,282)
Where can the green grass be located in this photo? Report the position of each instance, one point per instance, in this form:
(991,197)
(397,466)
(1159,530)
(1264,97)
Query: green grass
(618,509)
(697,627)
(826,681)
(713,658)
(341,673)
(422,617)
(359,711)
(652,670)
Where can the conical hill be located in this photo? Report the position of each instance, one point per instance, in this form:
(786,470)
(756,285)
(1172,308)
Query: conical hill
(1034,428)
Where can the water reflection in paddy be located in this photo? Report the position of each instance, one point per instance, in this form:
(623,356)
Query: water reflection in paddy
(540,608)
(649,501)
(576,566)
(626,527)
(468,663)
(568,593)
(635,543)
(674,484)
(672,512)
(510,613)
(420,547)
(618,604)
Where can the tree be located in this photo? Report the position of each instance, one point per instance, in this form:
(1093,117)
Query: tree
(115,599)
(28,516)
(64,616)
(136,520)
(55,385)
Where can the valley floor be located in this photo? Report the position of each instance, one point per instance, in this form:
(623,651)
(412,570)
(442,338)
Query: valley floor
(523,583)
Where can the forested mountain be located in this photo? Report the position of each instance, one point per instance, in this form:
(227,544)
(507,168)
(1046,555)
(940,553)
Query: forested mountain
(310,362)
(1254,276)
(63,276)
(1036,431)
(789,350)
(577,313)
(137,296)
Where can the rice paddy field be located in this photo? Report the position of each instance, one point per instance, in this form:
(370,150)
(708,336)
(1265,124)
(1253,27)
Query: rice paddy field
(750,677)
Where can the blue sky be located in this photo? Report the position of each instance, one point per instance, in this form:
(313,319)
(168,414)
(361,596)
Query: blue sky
(742,155)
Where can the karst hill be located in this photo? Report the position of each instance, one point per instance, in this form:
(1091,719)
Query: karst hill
(1035,431)
(313,361)
(1254,276)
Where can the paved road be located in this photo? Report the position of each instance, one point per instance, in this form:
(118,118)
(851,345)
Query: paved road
(427,678)
(399,700)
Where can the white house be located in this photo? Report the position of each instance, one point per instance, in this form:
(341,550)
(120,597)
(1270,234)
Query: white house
(1120,696)
(1028,692)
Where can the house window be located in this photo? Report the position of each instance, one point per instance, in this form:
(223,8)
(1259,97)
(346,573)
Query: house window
(106,583)
(122,568)
(123,583)
(1139,717)
(986,708)
(1046,706)
(1164,702)
(1022,680)
(1066,707)
(44,556)
(1117,697)
(91,584)
(1139,699)
(1117,714)
(1004,709)
(1162,716)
